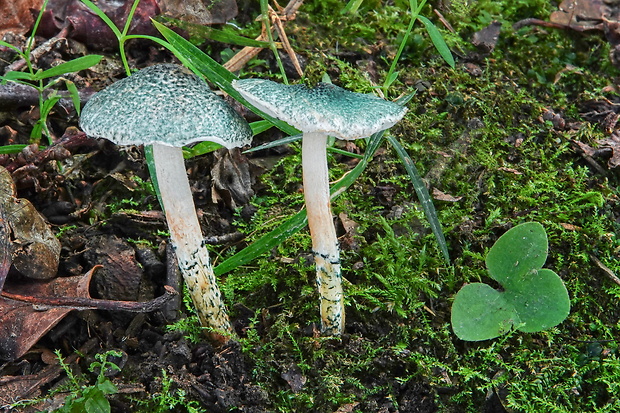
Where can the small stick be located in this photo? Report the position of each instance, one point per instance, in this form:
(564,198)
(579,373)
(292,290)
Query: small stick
(605,269)
(84,303)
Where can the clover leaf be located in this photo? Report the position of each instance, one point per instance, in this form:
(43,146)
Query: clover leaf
(532,298)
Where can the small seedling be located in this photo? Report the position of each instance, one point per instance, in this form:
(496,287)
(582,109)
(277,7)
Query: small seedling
(533,299)
(37,79)
(90,399)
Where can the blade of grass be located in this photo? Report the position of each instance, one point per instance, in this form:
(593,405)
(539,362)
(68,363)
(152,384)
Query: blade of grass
(150,164)
(200,149)
(351,7)
(10,149)
(264,7)
(260,126)
(10,46)
(75,95)
(16,76)
(391,76)
(103,17)
(273,144)
(423,195)
(438,41)
(294,138)
(75,65)
(222,36)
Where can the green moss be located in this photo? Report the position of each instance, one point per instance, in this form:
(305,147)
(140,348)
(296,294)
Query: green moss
(481,138)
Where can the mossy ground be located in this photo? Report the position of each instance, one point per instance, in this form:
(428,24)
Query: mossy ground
(477,132)
(479,137)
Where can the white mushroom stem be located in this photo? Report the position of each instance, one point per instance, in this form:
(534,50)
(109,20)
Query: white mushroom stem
(323,233)
(187,239)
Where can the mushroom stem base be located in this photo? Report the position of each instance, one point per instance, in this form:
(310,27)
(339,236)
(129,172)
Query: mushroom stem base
(323,232)
(187,239)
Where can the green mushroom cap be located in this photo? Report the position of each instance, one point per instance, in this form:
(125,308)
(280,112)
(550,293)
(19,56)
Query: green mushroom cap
(324,109)
(163,104)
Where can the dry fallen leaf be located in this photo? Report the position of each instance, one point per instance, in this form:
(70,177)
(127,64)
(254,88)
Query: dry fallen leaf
(442,196)
(612,142)
(579,13)
(486,39)
(16,16)
(348,241)
(35,250)
(22,324)
(511,170)
(231,180)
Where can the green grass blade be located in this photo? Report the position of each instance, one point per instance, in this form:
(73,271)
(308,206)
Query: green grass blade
(294,138)
(200,149)
(392,74)
(11,149)
(150,163)
(10,46)
(75,65)
(35,27)
(299,220)
(16,76)
(132,11)
(260,126)
(273,144)
(264,8)
(75,95)
(423,196)
(438,40)
(352,7)
(264,244)
(218,35)
(202,63)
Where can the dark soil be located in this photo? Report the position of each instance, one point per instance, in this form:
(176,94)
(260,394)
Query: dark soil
(95,197)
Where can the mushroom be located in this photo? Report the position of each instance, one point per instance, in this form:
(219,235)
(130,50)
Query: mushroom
(166,107)
(323,111)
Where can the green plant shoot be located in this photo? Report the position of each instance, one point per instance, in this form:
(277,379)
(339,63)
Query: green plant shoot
(37,79)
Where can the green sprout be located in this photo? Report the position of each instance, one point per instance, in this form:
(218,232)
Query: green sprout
(37,79)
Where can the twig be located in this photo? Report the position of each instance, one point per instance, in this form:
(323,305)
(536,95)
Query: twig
(14,95)
(248,53)
(84,303)
(605,269)
(276,22)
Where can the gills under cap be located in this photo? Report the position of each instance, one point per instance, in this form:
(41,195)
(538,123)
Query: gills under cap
(324,109)
(163,104)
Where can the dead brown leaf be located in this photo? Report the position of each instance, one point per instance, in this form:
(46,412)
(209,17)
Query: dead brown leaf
(30,386)
(22,324)
(35,251)
(231,180)
(442,196)
(487,38)
(511,170)
(570,227)
(579,13)
(612,142)
(16,15)
(348,241)
(294,377)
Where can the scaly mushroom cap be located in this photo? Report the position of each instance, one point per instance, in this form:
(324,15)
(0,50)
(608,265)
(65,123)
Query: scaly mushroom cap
(163,104)
(325,109)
